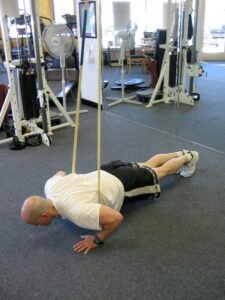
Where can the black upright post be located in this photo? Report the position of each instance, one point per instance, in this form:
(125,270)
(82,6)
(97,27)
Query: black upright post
(38,58)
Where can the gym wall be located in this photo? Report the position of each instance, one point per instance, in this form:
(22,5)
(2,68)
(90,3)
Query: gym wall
(45,8)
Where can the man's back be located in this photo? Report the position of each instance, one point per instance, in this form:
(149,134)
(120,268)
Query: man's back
(75,196)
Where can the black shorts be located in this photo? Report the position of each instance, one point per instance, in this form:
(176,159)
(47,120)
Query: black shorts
(135,179)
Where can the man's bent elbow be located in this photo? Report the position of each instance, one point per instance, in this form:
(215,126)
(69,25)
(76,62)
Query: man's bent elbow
(119,218)
(110,217)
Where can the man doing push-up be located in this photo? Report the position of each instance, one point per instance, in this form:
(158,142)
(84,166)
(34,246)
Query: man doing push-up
(75,196)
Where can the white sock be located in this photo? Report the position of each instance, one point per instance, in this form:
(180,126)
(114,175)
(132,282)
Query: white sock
(179,153)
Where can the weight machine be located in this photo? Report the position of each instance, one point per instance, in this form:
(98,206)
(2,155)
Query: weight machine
(39,127)
(176,58)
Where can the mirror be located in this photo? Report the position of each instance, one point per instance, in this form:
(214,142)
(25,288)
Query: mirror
(193,108)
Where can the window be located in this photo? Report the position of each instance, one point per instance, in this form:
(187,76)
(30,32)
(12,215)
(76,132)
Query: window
(148,15)
(121,14)
(214,31)
(115,16)
(61,8)
(24,9)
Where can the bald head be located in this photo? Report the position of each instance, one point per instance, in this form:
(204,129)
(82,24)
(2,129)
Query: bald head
(34,208)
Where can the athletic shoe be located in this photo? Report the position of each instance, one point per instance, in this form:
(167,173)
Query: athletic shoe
(181,153)
(189,169)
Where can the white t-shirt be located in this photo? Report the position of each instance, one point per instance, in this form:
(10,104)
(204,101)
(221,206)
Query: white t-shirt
(75,196)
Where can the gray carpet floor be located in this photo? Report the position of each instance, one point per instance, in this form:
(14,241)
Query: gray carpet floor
(203,123)
(167,248)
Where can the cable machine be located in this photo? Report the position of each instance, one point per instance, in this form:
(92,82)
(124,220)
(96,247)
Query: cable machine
(176,65)
(10,9)
(36,126)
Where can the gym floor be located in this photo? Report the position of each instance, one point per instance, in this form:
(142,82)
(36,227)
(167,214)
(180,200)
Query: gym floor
(167,248)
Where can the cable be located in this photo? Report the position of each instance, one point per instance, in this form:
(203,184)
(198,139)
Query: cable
(79,89)
(99,102)
(99,97)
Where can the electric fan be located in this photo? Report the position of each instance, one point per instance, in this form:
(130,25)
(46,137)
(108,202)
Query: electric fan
(127,43)
(58,40)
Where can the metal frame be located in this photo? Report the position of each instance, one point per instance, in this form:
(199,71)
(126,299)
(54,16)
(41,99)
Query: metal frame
(178,93)
(11,97)
(44,91)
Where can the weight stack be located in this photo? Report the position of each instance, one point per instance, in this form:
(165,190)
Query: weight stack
(28,91)
(159,52)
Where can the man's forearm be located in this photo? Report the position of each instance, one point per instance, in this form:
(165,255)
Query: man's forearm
(109,219)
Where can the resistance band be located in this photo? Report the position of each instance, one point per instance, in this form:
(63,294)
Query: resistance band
(79,88)
(99,100)
(99,94)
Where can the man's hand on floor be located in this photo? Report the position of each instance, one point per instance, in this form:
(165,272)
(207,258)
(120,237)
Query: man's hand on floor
(85,245)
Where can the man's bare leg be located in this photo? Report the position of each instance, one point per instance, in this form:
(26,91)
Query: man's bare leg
(159,159)
(167,164)
(171,166)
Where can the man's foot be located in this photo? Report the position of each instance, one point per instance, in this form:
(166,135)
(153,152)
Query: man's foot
(182,152)
(189,169)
